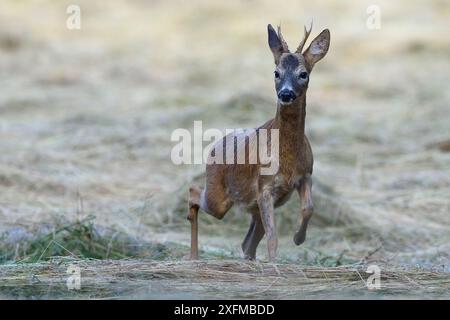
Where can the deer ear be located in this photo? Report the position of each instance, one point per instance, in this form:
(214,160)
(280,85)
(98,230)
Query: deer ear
(275,44)
(318,48)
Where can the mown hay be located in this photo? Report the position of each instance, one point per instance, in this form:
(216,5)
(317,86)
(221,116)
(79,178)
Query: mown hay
(221,278)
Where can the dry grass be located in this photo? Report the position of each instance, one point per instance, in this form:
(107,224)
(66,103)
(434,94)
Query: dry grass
(86,118)
(205,279)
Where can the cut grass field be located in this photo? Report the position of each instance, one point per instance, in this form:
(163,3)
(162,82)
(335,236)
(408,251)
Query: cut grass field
(85,171)
(227,279)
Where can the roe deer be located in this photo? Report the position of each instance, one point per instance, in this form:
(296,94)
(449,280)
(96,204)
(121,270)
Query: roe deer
(243,184)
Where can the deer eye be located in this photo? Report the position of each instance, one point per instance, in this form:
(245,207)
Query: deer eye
(277,74)
(303,75)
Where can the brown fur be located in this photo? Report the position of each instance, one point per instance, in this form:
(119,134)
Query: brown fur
(242,184)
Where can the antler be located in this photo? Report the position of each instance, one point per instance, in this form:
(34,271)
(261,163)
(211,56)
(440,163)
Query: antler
(283,42)
(305,37)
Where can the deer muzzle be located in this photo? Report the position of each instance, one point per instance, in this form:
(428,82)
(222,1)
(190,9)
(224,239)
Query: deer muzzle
(286,96)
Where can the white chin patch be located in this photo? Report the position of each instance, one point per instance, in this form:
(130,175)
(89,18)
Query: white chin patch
(285,103)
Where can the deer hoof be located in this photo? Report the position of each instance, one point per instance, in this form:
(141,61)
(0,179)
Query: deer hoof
(249,257)
(299,238)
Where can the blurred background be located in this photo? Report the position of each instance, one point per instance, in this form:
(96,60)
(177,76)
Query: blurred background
(86,117)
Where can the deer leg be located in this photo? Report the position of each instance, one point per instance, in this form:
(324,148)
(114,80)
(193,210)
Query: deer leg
(266,208)
(304,191)
(194,205)
(246,241)
(214,203)
(254,235)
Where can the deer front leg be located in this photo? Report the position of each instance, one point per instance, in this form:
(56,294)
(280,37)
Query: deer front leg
(304,191)
(265,203)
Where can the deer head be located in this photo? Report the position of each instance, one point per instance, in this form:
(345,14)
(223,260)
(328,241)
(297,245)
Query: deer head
(293,69)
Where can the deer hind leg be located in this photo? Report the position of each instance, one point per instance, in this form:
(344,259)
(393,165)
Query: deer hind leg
(214,203)
(304,191)
(214,200)
(194,205)
(254,235)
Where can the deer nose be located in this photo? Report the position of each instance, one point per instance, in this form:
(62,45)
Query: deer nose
(286,95)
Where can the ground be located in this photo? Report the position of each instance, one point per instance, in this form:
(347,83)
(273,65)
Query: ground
(86,177)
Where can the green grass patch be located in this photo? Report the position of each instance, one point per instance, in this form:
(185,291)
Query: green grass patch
(84,239)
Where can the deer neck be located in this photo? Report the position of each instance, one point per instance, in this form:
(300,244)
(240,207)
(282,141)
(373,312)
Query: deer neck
(290,120)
